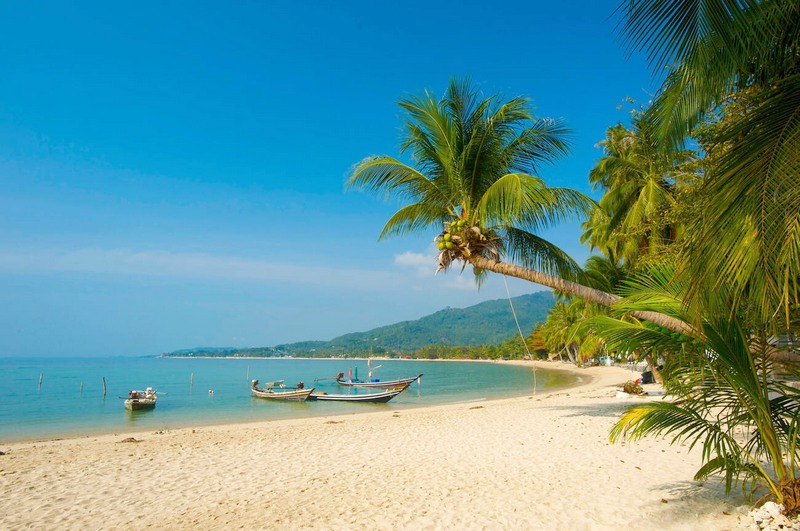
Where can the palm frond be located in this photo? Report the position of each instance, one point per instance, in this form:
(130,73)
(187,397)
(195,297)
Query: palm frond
(722,378)
(414,218)
(393,178)
(537,253)
(543,142)
(750,239)
(526,201)
(628,336)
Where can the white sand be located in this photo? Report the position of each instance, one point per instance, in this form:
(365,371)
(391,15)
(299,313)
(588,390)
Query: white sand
(540,462)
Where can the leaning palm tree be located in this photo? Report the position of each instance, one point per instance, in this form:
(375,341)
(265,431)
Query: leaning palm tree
(473,178)
(746,50)
(729,395)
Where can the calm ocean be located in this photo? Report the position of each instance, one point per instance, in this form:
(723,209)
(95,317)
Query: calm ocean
(70,400)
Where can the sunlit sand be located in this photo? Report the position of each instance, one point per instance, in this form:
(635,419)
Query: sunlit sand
(536,462)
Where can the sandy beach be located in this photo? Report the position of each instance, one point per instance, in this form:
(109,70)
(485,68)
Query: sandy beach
(536,462)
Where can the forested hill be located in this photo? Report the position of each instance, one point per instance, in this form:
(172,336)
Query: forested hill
(487,323)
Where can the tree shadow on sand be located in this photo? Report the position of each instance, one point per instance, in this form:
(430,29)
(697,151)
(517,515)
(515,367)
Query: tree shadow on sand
(613,411)
(689,500)
(684,502)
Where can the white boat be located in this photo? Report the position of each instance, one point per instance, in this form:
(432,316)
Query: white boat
(350,381)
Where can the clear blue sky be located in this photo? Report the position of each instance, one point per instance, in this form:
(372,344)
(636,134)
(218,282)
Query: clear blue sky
(172,173)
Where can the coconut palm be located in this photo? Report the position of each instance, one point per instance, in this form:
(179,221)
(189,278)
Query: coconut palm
(556,331)
(474,174)
(746,50)
(604,272)
(639,180)
(727,398)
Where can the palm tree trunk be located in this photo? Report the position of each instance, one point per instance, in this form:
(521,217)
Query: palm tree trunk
(651,364)
(584,292)
(572,352)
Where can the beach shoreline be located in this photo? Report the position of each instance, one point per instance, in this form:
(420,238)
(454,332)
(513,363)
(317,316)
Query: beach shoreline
(56,413)
(538,462)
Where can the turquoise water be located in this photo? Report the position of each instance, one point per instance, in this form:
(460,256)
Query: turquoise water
(70,400)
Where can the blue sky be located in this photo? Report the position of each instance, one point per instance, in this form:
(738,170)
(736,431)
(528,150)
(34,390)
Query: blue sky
(172,174)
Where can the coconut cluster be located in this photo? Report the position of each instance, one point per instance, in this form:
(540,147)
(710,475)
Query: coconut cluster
(460,240)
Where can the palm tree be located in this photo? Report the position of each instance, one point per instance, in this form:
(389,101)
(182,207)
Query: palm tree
(746,51)
(566,331)
(639,180)
(475,161)
(557,331)
(727,396)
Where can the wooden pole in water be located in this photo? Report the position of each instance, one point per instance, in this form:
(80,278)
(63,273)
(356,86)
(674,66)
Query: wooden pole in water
(81,387)
(104,386)
(247,378)
(41,375)
(191,381)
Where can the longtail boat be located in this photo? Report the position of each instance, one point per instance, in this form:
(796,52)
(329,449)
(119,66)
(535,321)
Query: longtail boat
(278,391)
(379,396)
(355,382)
(141,399)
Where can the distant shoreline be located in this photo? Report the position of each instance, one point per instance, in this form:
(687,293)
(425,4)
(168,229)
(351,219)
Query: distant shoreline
(343,359)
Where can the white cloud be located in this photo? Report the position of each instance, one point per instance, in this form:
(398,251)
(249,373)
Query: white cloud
(187,265)
(422,264)
(464,281)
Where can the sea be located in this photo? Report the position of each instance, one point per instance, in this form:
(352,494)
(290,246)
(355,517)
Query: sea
(50,398)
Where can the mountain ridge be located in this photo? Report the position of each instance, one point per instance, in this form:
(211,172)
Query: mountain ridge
(488,322)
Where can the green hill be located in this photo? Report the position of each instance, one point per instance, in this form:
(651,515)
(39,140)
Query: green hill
(490,322)
(487,323)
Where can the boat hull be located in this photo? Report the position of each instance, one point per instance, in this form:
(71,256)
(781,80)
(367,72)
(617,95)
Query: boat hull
(379,384)
(136,404)
(291,394)
(383,396)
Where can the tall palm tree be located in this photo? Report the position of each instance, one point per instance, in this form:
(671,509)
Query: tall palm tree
(748,49)
(639,180)
(474,173)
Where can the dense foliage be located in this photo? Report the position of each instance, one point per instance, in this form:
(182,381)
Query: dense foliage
(730,396)
(717,52)
(732,90)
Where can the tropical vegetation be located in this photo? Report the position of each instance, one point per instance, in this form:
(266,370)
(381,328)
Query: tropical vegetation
(640,183)
(698,228)
(732,89)
(729,394)
(745,53)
